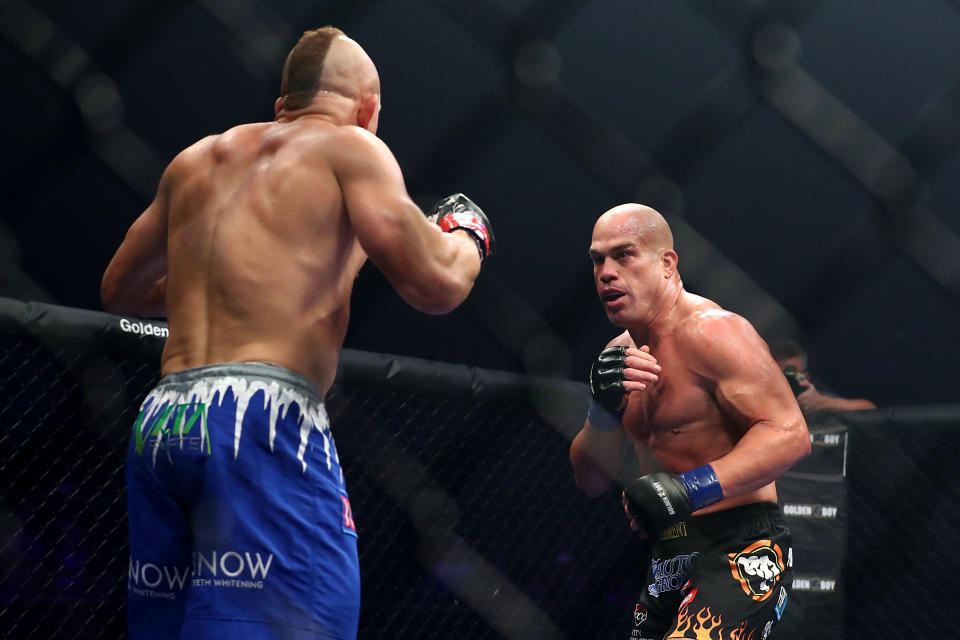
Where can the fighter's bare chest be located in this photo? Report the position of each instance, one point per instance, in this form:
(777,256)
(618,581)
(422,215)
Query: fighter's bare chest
(677,399)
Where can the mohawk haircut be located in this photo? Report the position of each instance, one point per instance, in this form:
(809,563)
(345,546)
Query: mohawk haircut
(300,80)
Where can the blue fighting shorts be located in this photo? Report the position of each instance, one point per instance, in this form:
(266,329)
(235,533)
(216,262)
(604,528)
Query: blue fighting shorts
(240,524)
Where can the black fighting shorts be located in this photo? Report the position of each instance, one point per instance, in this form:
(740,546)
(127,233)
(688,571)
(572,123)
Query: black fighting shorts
(722,575)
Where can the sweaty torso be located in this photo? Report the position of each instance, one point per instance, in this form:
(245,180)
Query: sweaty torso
(261,254)
(678,420)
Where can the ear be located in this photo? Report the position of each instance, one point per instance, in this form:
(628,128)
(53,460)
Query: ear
(368,113)
(668,262)
(277,106)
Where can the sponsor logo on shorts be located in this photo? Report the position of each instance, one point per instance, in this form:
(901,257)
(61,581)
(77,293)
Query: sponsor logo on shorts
(781,602)
(766,629)
(218,569)
(689,598)
(671,574)
(349,526)
(823,585)
(172,427)
(676,530)
(758,568)
(639,615)
(153,580)
(144,328)
(827,511)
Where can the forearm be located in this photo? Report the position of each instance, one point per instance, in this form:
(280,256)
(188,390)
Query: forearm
(135,281)
(155,305)
(140,298)
(846,404)
(448,266)
(595,456)
(457,267)
(761,456)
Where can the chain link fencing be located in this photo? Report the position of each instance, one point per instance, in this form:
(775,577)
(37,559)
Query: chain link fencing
(902,559)
(469,523)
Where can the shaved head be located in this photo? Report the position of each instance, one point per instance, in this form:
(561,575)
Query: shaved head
(634,265)
(646,225)
(326,59)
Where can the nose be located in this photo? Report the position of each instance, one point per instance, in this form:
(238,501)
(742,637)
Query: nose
(606,273)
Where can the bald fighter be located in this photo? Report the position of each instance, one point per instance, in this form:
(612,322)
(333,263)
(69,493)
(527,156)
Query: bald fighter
(240,522)
(694,390)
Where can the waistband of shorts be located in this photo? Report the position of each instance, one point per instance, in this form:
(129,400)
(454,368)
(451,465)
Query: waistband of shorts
(754,513)
(248,371)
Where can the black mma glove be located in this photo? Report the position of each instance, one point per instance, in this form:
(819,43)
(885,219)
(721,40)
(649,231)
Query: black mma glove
(606,386)
(606,378)
(658,500)
(460,212)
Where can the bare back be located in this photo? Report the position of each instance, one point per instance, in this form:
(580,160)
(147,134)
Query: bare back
(262,256)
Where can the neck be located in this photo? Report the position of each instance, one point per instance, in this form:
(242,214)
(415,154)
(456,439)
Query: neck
(290,116)
(327,106)
(663,319)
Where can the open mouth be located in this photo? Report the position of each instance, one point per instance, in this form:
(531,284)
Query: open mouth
(610,296)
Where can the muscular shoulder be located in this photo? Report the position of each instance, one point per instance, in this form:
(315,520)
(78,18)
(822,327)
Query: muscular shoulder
(715,342)
(231,145)
(358,156)
(355,138)
(184,163)
(354,148)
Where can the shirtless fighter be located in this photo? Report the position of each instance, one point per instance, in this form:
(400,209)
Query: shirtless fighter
(240,524)
(713,422)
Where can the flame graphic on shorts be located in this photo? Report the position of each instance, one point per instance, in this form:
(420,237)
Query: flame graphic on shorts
(701,625)
(705,626)
(737,633)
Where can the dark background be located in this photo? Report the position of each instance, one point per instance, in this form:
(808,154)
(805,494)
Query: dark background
(805,153)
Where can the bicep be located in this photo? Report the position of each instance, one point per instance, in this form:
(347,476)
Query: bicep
(750,397)
(134,281)
(143,253)
(749,387)
(382,214)
(147,237)
(433,271)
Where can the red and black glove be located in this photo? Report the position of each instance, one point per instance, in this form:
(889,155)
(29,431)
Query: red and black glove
(460,212)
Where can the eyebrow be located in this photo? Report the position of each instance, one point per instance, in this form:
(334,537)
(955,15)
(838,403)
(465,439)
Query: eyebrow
(614,249)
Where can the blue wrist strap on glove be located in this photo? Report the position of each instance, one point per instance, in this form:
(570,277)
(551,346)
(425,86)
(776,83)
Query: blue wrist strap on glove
(603,419)
(702,486)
